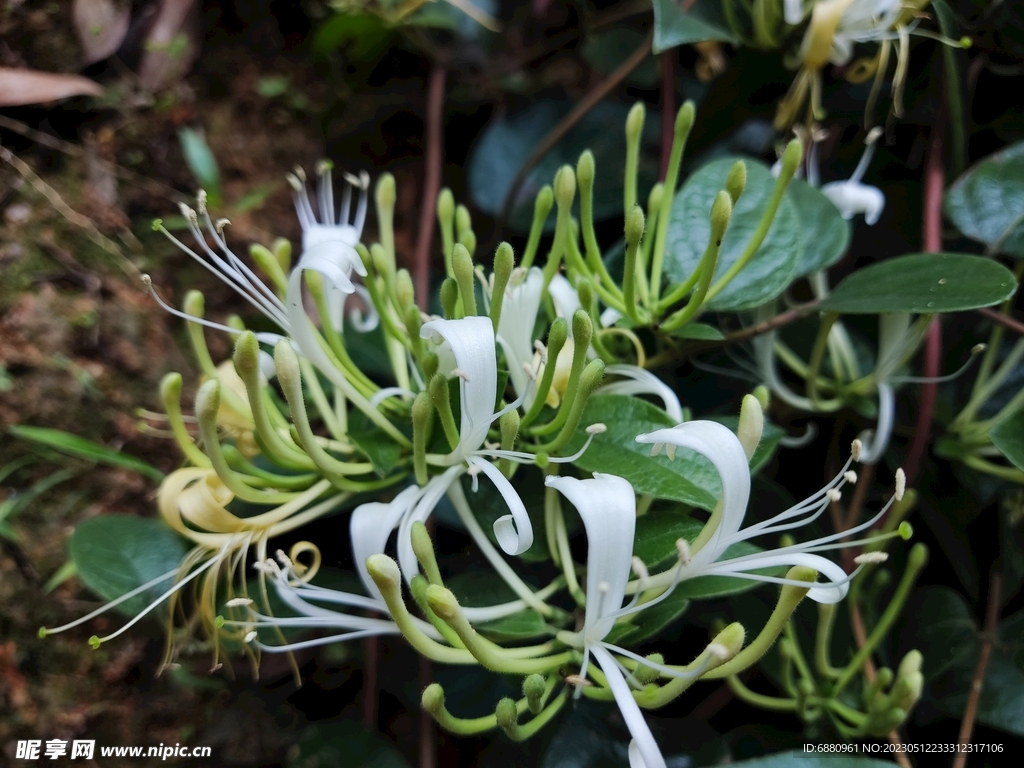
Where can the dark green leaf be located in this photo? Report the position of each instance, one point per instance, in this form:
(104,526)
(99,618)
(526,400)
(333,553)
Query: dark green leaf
(115,554)
(365,34)
(606,50)
(650,621)
(940,624)
(657,533)
(382,451)
(699,332)
(488,505)
(925,283)
(486,588)
(1008,436)
(774,265)
(506,144)
(674,26)
(86,449)
(202,163)
(987,202)
(824,233)
(343,743)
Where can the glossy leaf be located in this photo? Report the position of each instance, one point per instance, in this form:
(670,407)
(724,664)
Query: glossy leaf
(506,143)
(698,332)
(488,505)
(201,162)
(650,621)
(774,265)
(1008,437)
(115,554)
(382,451)
(987,202)
(86,449)
(925,283)
(824,233)
(364,35)
(673,26)
(485,588)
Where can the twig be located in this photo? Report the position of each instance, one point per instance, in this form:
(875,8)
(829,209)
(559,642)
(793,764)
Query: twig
(371,657)
(977,683)
(784,318)
(668,108)
(556,134)
(433,130)
(931,235)
(1004,320)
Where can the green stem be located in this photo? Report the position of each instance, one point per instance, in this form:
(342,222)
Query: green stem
(771,703)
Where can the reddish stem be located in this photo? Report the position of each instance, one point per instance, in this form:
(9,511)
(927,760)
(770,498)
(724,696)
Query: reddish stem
(433,131)
(931,234)
(668,108)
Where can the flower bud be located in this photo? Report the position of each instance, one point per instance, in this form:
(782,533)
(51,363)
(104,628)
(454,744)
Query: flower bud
(445,205)
(644,674)
(441,601)
(384,572)
(751,424)
(763,395)
(565,187)
(721,212)
(731,638)
(270,266)
(423,547)
(404,289)
(509,424)
(684,120)
(585,170)
(247,355)
(542,204)
(654,198)
(385,194)
(449,297)
(463,221)
(508,717)
(582,328)
(432,699)
(790,160)
(194,304)
(634,225)
(170,387)
(287,364)
(282,249)
(736,181)
(422,421)
(208,401)
(430,364)
(635,122)
(533,690)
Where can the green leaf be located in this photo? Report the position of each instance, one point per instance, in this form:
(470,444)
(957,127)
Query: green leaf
(691,478)
(987,202)
(824,233)
(771,436)
(800,759)
(382,451)
(343,743)
(698,332)
(940,624)
(1008,436)
(115,554)
(365,35)
(657,533)
(774,265)
(506,143)
(61,575)
(202,163)
(925,283)
(649,622)
(86,449)
(674,27)
(486,588)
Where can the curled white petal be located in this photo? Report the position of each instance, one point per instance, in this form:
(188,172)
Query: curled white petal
(514,531)
(642,382)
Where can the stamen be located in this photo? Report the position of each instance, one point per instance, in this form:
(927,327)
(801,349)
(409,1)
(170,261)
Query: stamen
(284,559)
(871,557)
(718,650)
(597,429)
(901,484)
(639,568)
(220,224)
(530,373)
(656,449)
(855,448)
(670,451)
(850,476)
(461,374)
(834,494)
(577,681)
(238,602)
(683,549)
(251,635)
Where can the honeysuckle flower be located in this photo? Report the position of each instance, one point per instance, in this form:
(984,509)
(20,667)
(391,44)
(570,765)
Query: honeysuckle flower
(851,196)
(607,506)
(793,11)
(862,21)
(515,330)
(731,457)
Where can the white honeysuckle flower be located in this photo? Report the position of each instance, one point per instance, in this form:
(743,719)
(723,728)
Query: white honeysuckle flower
(793,11)
(851,196)
(515,328)
(607,506)
(863,21)
(723,448)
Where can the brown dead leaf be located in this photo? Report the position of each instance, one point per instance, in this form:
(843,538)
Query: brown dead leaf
(171,46)
(27,86)
(101,26)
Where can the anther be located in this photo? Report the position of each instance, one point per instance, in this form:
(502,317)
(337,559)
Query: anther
(300,174)
(639,568)
(656,448)
(850,476)
(250,635)
(670,451)
(461,374)
(834,494)
(597,429)
(576,680)
(530,373)
(718,650)
(977,349)
(683,549)
(871,557)
(220,224)
(855,448)
(201,200)
(901,484)
(283,558)
(293,182)
(238,602)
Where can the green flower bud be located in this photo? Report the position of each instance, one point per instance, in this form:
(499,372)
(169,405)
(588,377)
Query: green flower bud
(449,297)
(441,601)
(287,364)
(282,249)
(906,530)
(763,395)
(384,572)
(432,699)
(654,198)
(644,674)
(736,181)
(208,401)
(404,289)
(270,266)
(565,187)
(684,120)
(534,687)
(635,122)
(543,202)
(721,212)
(462,266)
(634,226)
(507,716)
(170,387)
(791,159)
(430,364)
(385,193)
(463,221)
(751,425)
(731,639)
(194,304)
(247,355)
(582,328)
(585,169)
(445,205)
(424,549)
(422,421)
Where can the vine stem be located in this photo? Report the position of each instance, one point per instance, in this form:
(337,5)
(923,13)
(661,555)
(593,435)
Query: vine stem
(931,235)
(555,135)
(1001,319)
(977,683)
(433,131)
